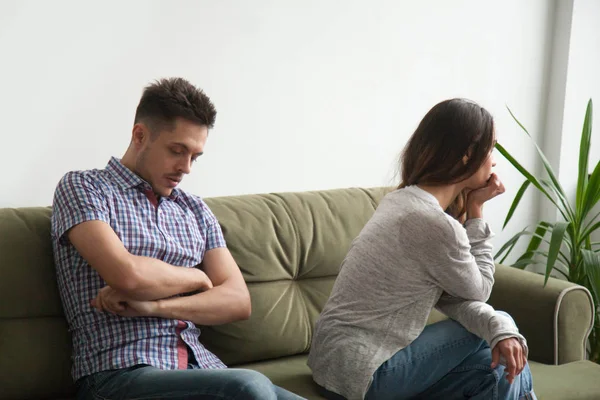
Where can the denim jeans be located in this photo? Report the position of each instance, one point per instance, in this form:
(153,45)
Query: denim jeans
(145,382)
(445,362)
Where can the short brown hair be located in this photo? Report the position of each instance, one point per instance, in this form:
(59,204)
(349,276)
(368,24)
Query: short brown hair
(434,153)
(167,99)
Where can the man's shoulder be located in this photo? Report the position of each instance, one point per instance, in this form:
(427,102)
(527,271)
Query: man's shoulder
(83,178)
(189,199)
(195,203)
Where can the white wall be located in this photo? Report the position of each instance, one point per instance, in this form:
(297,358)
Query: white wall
(574,80)
(583,83)
(310,94)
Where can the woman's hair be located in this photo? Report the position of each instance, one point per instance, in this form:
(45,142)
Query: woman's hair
(434,154)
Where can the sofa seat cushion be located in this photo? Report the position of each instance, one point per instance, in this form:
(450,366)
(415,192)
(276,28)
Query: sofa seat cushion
(290,373)
(576,380)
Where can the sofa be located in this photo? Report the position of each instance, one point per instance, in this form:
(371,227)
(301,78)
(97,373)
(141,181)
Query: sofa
(289,247)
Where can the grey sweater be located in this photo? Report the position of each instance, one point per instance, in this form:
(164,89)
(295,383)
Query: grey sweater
(410,257)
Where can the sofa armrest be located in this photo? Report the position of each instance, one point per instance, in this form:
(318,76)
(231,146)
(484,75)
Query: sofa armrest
(556,320)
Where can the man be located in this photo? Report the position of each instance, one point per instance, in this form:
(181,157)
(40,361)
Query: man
(126,242)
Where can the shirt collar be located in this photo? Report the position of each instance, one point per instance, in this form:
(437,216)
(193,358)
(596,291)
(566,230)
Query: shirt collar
(127,179)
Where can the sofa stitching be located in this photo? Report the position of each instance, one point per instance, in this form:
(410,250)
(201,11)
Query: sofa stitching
(306,317)
(296,233)
(294,227)
(561,295)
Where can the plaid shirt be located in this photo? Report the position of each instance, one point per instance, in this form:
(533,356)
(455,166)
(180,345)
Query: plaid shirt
(178,231)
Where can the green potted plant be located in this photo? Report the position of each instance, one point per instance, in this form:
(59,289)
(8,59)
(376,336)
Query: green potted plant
(570,252)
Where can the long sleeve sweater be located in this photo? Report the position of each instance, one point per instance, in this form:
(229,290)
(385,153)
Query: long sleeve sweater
(409,258)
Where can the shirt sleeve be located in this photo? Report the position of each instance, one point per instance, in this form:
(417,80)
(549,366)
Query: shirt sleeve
(77,199)
(482,320)
(210,226)
(457,259)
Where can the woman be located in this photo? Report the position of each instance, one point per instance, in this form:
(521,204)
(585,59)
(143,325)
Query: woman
(415,254)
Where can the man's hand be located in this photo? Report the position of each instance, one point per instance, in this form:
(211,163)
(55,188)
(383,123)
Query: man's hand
(512,351)
(477,197)
(114,302)
(206,282)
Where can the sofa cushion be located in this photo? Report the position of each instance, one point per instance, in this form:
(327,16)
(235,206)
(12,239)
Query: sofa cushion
(35,344)
(290,373)
(289,247)
(576,380)
(27,278)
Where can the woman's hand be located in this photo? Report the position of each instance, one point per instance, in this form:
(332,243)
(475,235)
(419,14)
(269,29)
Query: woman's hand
(476,198)
(512,351)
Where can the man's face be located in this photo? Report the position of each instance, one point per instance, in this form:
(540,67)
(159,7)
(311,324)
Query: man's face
(163,159)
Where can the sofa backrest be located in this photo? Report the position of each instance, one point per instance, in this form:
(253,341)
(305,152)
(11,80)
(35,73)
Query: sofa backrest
(35,345)
(289,247)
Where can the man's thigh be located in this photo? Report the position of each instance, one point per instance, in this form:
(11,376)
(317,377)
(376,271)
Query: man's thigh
(147,382)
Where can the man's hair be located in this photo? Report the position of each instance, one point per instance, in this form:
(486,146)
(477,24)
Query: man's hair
(167,99)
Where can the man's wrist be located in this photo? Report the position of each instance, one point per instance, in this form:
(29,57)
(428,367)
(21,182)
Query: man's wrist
(158,308)
(198,279)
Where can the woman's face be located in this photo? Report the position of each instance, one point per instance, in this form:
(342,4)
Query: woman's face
(480,178)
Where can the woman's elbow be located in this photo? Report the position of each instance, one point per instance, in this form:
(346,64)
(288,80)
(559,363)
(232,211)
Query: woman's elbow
(482,294)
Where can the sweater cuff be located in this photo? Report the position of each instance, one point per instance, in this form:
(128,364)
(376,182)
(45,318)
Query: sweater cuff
(503,327)
(478,229)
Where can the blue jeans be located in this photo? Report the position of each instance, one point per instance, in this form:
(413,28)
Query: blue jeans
(447,362)
(143,382)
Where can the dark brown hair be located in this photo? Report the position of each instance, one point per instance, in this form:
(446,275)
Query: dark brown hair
(434,153)
(167,99)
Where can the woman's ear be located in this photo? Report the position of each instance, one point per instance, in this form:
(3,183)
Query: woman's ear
(465,159)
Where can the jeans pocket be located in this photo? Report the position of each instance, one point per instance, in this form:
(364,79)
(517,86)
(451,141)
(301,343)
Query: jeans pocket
(106,383)
(100,379)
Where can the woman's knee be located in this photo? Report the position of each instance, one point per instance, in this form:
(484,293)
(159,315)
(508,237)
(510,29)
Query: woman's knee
(455,331)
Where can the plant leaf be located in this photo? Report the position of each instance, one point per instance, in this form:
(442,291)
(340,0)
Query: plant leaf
(589,224)
(561,197)
(536,238)
(591,196)
(584,153)
(591,263)
(509,245)
(525,173)
(516,201)
(558,233)
(589,231)
(562,273)
(522,264)
(547,167)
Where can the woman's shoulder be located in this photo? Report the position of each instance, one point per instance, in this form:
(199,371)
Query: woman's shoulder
(414,205)
(415,214)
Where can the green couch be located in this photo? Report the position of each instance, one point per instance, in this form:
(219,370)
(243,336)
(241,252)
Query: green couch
(289,247)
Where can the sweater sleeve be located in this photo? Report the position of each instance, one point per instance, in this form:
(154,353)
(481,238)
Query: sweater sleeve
(459,259)
(481,319)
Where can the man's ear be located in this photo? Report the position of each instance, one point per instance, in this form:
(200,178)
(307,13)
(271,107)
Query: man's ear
(139,134)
